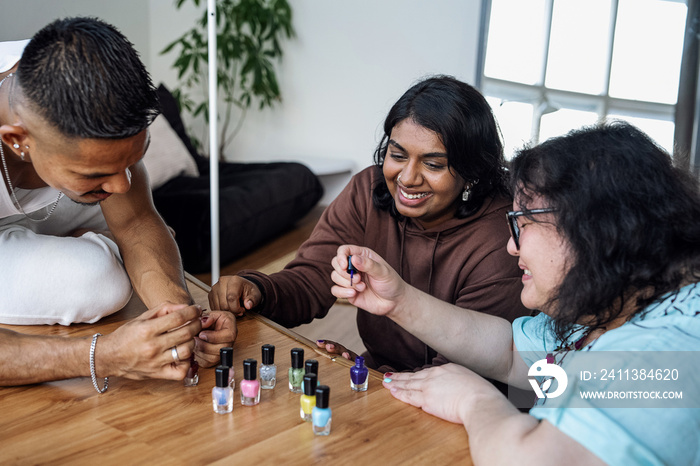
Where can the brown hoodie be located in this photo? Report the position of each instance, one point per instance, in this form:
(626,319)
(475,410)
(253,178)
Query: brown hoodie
(462,261)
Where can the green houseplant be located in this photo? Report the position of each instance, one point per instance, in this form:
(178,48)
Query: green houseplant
(249,35)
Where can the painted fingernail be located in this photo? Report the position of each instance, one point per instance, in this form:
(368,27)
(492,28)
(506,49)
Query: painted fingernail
(204,319)
(320,341)
(388,374)
(387,380)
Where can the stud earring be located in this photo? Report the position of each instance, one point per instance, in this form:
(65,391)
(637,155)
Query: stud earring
(15,145)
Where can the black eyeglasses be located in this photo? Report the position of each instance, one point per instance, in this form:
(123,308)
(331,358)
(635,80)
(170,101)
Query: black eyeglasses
(512,217)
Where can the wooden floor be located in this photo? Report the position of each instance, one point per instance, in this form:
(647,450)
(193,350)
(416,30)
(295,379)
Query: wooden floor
(339,325)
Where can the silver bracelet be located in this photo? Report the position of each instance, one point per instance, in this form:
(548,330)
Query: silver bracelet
(92,366)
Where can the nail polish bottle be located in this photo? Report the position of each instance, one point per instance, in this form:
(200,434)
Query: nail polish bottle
(268,369)
(308,399)
(321,414)
(359,375)
(296,372)
(227,360)
(250,387)
(351,269)
(192,377)
(222,393)
(310,367)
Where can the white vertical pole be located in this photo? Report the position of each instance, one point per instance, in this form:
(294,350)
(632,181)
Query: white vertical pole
(213,143)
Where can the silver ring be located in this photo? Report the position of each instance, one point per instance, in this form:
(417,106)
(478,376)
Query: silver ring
(398,178)
(176,357)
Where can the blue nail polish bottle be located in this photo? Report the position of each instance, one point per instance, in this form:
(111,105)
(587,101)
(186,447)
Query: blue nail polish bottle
(359,375)
(222,393)
(321,414)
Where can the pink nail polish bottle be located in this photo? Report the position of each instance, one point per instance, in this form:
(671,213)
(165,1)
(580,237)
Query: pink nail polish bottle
(250,387)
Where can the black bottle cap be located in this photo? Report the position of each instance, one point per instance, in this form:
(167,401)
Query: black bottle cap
(323,395)
(250,367)
(222,376)
(268,354)
(310,382)
(311,366)
(297,358)
(226,356)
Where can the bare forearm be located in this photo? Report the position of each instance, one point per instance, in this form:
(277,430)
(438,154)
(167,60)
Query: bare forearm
(152,261)
(30,359)
(475,340)
(499,434)
(149,251)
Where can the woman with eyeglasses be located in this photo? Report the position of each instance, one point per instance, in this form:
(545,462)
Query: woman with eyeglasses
(607,234)
(433,204)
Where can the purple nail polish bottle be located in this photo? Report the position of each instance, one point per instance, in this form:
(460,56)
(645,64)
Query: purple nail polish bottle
(359,375)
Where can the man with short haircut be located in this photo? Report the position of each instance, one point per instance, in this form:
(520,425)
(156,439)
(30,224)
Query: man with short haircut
(78,228)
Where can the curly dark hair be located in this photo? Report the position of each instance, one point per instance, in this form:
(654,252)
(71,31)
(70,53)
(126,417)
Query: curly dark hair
(463,120)
(85,78)
(631,218)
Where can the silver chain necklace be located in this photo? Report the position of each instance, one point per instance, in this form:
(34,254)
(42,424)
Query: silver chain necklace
(12,189)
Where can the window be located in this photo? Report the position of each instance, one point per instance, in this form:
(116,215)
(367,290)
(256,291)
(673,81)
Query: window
(555,65)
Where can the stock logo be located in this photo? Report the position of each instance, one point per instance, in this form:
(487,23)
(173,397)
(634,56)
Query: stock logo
(551,372)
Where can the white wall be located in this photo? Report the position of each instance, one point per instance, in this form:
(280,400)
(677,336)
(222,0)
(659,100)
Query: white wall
(21,19)
(350,61)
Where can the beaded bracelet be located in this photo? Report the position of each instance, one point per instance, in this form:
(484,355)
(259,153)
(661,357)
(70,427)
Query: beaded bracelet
(92,366)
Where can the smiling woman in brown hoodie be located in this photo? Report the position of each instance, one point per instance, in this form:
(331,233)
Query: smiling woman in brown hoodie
(432,205)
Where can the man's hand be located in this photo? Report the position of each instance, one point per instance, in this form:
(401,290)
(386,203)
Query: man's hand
(142,347)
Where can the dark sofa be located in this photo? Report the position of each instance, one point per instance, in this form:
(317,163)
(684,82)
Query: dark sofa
(258,201)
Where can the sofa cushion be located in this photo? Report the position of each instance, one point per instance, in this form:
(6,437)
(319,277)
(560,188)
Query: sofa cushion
(167,156)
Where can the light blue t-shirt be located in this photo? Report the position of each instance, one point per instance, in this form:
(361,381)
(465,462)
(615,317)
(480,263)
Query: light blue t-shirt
(644,436)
